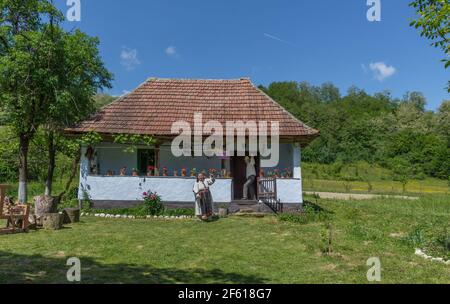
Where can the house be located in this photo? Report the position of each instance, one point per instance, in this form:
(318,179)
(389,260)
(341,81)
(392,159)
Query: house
(113,174)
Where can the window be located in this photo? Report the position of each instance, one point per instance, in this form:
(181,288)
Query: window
(145,159)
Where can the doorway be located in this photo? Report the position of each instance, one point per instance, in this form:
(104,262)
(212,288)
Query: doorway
(238,172)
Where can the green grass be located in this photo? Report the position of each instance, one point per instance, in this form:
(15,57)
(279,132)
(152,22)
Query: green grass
(413,187)
(238,250)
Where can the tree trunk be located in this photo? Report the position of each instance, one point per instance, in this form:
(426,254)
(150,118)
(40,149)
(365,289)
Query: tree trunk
(73,173)
(51,163)
(24,144)
(44,205)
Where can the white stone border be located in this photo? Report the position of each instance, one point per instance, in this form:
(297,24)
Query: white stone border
(133,217)
(422,254)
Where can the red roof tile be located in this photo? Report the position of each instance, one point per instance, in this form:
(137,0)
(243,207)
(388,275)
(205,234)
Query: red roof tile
(155,105)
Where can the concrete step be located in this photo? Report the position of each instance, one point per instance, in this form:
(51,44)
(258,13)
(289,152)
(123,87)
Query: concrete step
(252,214)
(245,202)
(247,210)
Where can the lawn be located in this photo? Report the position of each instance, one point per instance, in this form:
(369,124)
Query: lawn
(413,187)
(238,250)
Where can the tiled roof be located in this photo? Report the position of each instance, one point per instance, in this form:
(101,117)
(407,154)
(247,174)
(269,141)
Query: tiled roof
(154,106)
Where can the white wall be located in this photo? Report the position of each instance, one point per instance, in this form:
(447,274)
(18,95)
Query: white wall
(289,191)
(129,188)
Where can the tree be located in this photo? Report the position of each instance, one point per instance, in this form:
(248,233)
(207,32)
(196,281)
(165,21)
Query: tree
(434,24)
(25,74)
(80,75)
(47,77)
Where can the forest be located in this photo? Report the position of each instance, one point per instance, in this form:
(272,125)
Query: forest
(397,134)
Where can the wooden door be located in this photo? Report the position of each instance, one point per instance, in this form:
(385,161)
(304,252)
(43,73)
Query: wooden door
(238,171)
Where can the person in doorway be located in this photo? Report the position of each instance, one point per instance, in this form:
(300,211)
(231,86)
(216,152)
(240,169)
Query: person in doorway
(251,177)
(203,197)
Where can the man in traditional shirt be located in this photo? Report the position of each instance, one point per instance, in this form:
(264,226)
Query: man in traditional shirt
(251,177)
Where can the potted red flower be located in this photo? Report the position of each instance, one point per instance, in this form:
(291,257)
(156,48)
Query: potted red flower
(135,172)
(261,173)
(165,172)
(277,173)
(150,170)
(183,172)
(193,172)
(123,171)
(287,173)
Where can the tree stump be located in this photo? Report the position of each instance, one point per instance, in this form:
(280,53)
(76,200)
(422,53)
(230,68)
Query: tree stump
(52,221)
(43,205)
(223,212)
(71,215)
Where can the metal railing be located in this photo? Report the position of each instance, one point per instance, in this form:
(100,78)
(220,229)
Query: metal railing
(267,193)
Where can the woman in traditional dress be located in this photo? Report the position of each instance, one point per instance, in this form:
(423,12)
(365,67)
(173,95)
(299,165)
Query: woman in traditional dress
(203,197)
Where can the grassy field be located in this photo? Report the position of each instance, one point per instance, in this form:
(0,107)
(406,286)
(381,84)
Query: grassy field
(239,250)
(413,187)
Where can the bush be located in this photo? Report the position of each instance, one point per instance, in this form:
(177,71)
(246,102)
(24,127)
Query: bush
(415,238)
(310,213)
(152,203)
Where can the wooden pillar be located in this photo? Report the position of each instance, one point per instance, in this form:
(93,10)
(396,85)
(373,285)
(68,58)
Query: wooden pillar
(296,162)
(157,151)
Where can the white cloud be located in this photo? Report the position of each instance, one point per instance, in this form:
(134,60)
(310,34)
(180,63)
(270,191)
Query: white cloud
(129,58)
(381,71)
(171,51)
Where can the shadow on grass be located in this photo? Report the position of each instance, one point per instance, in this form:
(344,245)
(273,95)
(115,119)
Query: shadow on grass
(38,269)
(316,208)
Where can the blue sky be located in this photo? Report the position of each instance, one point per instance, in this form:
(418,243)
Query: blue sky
(266,40)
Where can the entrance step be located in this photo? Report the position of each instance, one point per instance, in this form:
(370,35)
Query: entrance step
(250,214)
(245,202)
(249,207)
(247,210)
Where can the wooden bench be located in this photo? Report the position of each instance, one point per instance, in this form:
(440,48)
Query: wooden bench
(16,216)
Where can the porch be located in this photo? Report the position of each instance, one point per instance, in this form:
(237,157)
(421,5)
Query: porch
(111,176)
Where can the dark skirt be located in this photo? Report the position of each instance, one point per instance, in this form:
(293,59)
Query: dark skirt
(205,202)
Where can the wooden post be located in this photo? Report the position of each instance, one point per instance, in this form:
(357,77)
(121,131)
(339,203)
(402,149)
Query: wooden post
(157,150)
(297,162)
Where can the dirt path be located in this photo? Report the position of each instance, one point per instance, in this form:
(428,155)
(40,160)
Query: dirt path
(353,196)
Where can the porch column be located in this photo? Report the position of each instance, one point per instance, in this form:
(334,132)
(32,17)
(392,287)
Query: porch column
(297,162)
(84,172)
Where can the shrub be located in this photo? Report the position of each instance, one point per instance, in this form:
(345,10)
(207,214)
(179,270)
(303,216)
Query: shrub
(310,213)
(152,203)
(415,238)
